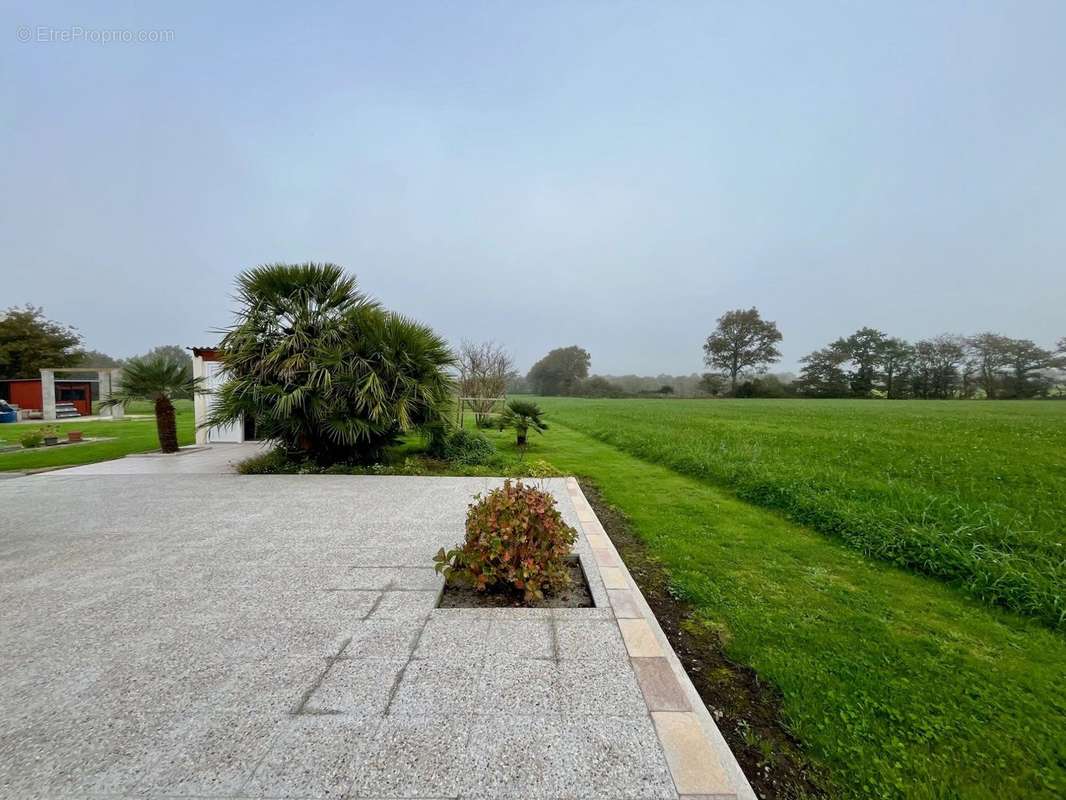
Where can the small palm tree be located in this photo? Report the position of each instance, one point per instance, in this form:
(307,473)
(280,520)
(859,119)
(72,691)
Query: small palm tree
(522,415)
(160,380)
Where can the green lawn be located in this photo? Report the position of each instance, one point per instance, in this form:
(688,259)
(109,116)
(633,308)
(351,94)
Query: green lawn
(971,492)
(125,436)
(897,684)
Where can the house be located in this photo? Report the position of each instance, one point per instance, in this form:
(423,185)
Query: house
(206,365)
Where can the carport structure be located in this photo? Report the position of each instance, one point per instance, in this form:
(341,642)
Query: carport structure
(109,378)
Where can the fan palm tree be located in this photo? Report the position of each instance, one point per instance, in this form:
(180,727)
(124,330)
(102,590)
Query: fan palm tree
(160,380)
(324,370)
(522,415)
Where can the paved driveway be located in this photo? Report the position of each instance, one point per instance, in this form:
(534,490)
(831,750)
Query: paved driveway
(277,636)
(194,460)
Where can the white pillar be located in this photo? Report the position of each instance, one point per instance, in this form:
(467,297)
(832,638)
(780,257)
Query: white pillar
(48,393)
(114,380)
(199,399)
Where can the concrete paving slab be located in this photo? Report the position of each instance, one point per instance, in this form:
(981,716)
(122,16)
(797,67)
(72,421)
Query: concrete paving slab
(313,757)
(413,757)
(218,635)
(213,756)
(355,687)
(526,688)
(592,640)
(521,638)
(590,757)
(436,686)
(453,637)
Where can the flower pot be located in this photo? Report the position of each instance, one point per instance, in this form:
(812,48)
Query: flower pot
(51,440)
(74,436)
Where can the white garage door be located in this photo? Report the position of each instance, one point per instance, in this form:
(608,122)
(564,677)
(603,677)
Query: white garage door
(234,432)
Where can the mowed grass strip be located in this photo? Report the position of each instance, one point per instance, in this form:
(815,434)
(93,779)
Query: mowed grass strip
(897,684)
(124,437)
(971,492)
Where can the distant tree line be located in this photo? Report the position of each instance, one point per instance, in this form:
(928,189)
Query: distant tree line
(869,363)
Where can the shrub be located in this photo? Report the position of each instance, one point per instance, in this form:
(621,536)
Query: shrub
(326,371)
(515,540)
(273,463)
(543,469)
(468,449)
(31,438)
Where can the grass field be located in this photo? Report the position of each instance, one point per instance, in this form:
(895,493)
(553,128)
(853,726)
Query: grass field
(124,437)
(971,492)
(897,684)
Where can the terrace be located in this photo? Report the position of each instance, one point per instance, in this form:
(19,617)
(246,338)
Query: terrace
(279,636)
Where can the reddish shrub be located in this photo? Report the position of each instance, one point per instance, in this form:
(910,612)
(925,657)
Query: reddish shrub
(516,540)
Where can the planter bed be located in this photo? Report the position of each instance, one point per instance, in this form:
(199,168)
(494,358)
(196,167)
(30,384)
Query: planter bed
(578,595)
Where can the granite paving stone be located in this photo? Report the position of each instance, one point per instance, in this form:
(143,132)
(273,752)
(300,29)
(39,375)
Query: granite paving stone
(432,687)
(173,632)
(413,757)
(214,755)
(360,686)
(592,640)
(590,757)
(515,638)
(409,605)
(520,687)
(381,638)
(312,757)
(590,688)
(454,637)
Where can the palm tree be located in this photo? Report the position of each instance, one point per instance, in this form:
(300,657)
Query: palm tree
(160,380)
(522,415)
(326,371)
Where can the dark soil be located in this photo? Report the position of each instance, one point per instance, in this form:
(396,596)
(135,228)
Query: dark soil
(747,711)
(576,596)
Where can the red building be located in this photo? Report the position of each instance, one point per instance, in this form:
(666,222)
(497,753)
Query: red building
(26,394)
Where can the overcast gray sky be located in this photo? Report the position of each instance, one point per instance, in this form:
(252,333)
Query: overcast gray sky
(613,175)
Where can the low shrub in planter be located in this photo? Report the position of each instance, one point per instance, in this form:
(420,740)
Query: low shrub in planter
(516,541)
(31,439)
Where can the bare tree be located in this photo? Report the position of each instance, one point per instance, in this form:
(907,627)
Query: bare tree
(483,374)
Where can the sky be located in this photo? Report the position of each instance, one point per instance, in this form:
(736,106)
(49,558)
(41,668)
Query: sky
(613,175)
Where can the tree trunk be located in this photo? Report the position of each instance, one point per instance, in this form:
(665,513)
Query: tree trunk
(521,441)
(165,425)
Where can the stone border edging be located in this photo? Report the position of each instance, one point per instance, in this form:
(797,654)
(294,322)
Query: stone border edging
(700,761)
